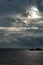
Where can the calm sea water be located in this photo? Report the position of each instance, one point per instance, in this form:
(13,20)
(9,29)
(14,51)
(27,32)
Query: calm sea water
(20,57)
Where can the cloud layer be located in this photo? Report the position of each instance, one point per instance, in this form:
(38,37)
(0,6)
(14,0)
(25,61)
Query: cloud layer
(21,23)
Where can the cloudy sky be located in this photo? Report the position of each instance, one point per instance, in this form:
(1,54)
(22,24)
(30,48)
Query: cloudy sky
(21,23)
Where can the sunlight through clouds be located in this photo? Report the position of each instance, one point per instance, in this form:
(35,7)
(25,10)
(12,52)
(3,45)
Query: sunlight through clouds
(21,22)
(33,13)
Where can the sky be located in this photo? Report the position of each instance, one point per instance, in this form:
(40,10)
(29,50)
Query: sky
(21,23)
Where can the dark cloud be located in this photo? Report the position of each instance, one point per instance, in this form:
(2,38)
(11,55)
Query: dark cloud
(39,5)
(9,16)
(10,6)
(21,40)
(7,6)
(14,5)
(24,43)
(5,22)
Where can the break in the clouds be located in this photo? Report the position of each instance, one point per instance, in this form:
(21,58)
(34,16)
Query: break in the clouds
(17,12)
(21,23)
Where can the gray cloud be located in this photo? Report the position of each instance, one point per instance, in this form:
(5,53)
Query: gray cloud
(26,39)
(12,14)
(11,7)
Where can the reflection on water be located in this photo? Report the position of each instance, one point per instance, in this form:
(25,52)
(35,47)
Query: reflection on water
(20,57)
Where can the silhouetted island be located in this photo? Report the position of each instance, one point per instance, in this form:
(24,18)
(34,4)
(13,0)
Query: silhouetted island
(38,49)
(31,49)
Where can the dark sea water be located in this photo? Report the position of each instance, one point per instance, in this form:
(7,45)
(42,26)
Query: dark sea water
(20,57)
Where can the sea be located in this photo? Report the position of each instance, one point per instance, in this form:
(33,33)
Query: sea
(9,56)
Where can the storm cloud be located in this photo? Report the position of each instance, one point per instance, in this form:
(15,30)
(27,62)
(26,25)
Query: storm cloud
(19,13)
